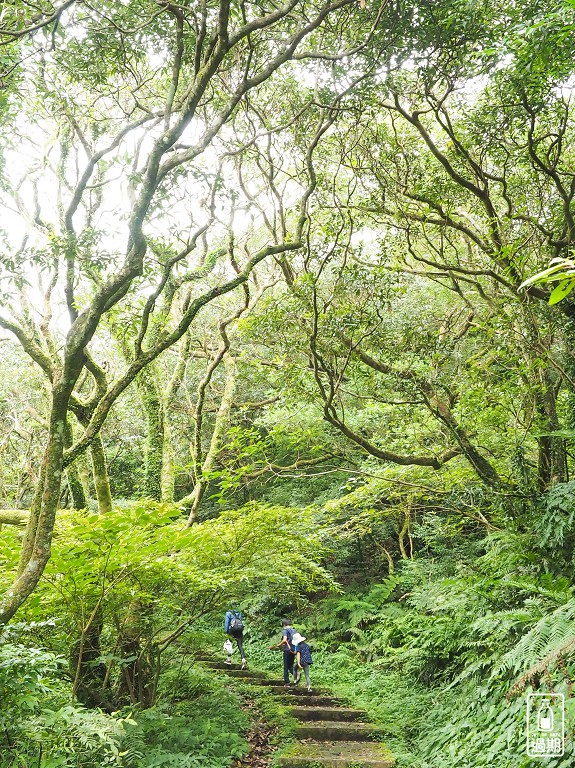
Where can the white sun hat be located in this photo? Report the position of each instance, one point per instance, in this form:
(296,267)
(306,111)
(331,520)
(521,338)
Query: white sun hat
(297,638)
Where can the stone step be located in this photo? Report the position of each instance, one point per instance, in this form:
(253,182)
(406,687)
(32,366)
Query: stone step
(327,713)
(310,700)
(219,664)
(330,730)
(251,676)
(343,754)
(293,690)
(274,682)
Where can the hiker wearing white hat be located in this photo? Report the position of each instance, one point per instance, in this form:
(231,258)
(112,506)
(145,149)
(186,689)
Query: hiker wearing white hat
(303,658)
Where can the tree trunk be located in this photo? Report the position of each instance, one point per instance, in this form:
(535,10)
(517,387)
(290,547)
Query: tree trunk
(543,384)
(168,472)
(170,394)
(79,500)
(154,455)
(403,531)
(36,547)
(101,480)
(551,465)
(220,424)
(88,671)
(84,475)
(485,470)
(140,665)
(75,486)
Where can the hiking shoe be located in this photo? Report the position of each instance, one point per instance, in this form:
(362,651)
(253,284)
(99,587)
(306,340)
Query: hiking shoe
(228,661)
(309,690)
(244,663)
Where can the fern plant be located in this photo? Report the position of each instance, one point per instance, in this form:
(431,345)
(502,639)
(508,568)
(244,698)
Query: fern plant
(551,637)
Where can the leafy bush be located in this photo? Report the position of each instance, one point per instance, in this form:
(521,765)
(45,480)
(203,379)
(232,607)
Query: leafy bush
(200,723)
(126,586)
(38,725)
(205,729)
(114,611)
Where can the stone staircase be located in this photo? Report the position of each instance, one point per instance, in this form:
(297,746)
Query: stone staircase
(329,733)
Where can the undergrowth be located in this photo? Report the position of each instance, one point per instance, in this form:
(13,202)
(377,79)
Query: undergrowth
(198,722)
(443,652)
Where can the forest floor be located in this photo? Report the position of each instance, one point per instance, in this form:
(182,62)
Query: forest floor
(261,738)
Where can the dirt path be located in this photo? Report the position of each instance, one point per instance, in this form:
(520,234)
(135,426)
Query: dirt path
(260,737)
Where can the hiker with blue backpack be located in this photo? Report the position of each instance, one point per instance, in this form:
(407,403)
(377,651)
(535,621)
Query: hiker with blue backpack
(234,627)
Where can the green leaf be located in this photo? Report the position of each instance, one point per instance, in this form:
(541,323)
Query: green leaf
(561,291)
(541,276)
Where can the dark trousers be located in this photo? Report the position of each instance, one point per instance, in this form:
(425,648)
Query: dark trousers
(239,638)
(288,665)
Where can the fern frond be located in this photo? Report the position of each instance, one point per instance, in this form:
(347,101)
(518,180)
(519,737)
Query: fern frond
(546,639)
(542,666)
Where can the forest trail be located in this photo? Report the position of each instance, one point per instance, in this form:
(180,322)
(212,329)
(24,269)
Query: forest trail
(329,734)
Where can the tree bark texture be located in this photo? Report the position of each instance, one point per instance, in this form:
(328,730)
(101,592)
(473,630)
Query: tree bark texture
(36,547)
(552,460)
(155,434)
(168,471)
(101,479)
(79,499)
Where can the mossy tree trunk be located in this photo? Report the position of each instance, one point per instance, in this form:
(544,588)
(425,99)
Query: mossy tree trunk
(140,666)
(87,670)
(552,459)
(170,395)
(168,470)
(79,498)
(205,467)
(36,546)
(155,434)
(100,473)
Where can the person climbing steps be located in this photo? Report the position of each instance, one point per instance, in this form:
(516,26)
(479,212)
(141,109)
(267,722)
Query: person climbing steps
(234,626)
(287,647)
(303,659)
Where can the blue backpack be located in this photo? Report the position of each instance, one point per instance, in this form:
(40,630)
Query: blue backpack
(236,624)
